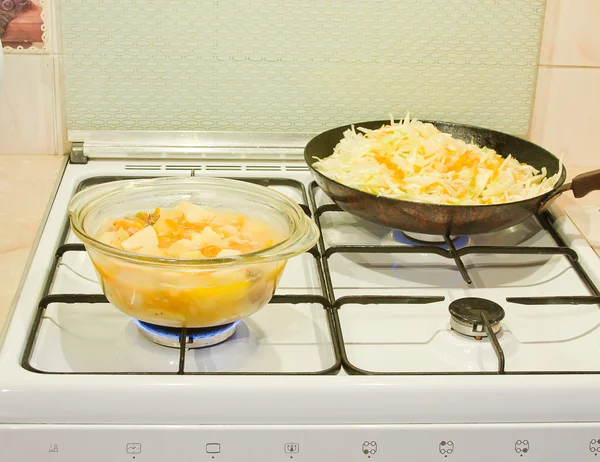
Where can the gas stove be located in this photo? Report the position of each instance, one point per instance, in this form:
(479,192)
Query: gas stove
(378,345)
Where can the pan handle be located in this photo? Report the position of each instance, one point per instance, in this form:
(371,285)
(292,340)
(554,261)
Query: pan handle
(581,185)
(585,183)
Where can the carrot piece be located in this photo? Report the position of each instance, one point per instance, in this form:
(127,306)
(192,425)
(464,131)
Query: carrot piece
(210,251)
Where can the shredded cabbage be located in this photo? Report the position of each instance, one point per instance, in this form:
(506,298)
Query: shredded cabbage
(412,160)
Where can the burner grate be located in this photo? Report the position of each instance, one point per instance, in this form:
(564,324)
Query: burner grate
(333,305)
(295,299)
(46,301)
(448,251)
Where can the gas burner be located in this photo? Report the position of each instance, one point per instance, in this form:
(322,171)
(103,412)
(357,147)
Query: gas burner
(465,316)
(406,237)
(196,338)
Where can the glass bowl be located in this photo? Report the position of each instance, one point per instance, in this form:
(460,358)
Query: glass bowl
(194,293)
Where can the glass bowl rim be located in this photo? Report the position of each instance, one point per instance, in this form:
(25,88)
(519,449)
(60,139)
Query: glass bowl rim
(303,235)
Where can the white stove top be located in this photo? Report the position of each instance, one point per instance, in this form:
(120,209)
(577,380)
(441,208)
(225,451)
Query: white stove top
(379,351)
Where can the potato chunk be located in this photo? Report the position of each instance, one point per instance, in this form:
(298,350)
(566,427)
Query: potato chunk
(207,237)
(194,213)
(228,253)
(181,246)
(143,238)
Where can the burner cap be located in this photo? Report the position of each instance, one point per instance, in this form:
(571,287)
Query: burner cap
(409,238)
(465,316)
(196,338)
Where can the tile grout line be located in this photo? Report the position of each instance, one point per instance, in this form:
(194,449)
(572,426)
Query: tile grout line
(567,66)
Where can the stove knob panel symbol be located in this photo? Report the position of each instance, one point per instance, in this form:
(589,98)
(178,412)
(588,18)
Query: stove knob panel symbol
(213,448)
(522,447)
(291,448)
(369,448)
(595,446)
(446,447)
(133,448)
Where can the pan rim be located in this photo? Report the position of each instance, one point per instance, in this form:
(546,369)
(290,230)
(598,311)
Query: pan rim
(539,198)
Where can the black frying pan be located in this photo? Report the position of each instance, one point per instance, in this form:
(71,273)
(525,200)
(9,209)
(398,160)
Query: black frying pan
(448,219)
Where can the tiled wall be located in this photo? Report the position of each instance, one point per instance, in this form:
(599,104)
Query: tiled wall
(31,119)
(566,117)
(27,122)
(298,66)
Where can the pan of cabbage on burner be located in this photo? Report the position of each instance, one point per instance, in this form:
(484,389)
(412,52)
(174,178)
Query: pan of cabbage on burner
(438,178)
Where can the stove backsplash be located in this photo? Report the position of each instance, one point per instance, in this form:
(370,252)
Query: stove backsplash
(297,66)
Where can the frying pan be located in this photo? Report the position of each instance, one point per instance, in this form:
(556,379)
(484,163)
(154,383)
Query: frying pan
(443,219)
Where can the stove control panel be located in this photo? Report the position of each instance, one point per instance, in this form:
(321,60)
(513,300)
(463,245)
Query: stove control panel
(369,443)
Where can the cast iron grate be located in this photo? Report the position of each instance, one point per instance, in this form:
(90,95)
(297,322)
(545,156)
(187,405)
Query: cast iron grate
(456,255)
(331,304)
(308,299)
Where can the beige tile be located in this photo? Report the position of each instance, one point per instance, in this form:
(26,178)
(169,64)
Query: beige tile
(27,121)
(61,143)
(25,186)
(571,33)
(566,116)
(53,12)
